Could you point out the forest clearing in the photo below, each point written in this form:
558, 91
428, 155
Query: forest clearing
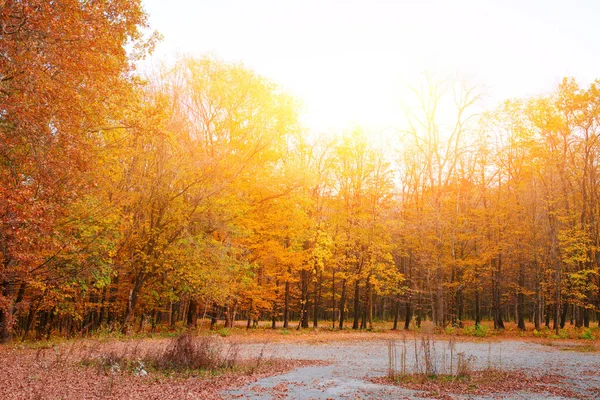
402, 201
310, 364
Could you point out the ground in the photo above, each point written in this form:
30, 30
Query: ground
573, 369
310, 365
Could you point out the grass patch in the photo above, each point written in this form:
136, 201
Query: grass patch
440, 371
481, 383
431, 361
476, 330
580, 349
224, 332
186, 354
587, 334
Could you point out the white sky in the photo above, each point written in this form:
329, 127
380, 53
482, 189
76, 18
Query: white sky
351, 61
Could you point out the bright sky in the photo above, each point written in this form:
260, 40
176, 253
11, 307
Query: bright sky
350, 62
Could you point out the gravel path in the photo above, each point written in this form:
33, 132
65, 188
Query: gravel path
352, 364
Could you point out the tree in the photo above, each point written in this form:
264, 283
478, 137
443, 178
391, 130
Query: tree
437, 129
64, 73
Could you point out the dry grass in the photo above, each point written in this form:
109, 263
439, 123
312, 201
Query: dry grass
428, 364
440, 371
487, 382
192, 352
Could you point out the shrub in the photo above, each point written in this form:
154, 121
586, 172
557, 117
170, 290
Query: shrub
193, 352
563, 334
224, 332
587, 334
114, 362
477, 330
463, 365
428, 366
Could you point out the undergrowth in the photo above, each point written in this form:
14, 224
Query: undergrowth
186, 354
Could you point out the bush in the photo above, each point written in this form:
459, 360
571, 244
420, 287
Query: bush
563, 334
463, 365
429, 364
196, 352
477, 330
224, 332
114, 362
587, 334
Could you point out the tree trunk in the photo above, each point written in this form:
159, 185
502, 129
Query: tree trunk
564, 315
521, 298
317, 300
408, 316
370, 306
304, 299
134, 292
333, 300
477, 308
496, 292
459, 307
356, 305
396, 312
192, 314
539, 308
343, 304
286, 305
7, 313
213, 318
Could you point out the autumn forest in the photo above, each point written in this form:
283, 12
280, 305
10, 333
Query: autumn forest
194, 195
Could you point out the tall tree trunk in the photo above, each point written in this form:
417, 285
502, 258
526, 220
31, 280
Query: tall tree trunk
521, 298
333, 300
396, 313
7, 313
304, 282
317, 299
30, 317
408, 316
192, 314
132, 302
477, 308
356, 304
438, 311
564, 315
365, 308
286, 305
370, 305
459, 306
343, 304
102, 315
496, 279
539, 307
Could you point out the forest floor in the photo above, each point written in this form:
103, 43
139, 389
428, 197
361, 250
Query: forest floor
311, 364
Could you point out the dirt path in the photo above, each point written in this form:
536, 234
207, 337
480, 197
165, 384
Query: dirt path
353, 364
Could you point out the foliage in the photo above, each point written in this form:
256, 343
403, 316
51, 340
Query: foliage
195, 195
476, 330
